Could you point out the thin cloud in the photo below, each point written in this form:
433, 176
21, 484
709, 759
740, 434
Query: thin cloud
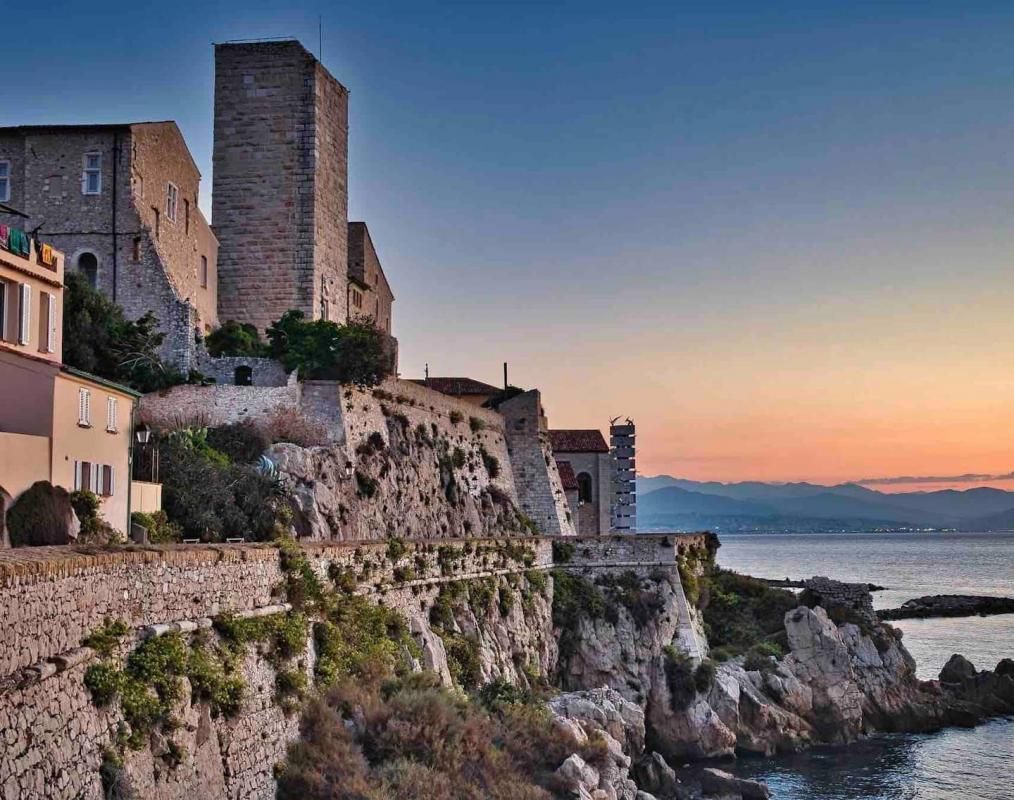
966, 478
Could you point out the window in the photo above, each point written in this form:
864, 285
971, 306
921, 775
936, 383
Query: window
158, 222
5, 181
5, 303
172, 195
83, 477
137, 249
204, 272
24, 313
84, 408
105, 487
357, 298
47, 322
584, 488
88, 265
112, 411
186, 216
91, 178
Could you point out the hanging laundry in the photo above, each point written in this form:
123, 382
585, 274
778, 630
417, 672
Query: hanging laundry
5, 233
48, 256
19, 243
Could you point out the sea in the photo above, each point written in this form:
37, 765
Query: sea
967, 764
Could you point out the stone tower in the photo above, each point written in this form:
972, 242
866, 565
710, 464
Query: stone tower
622, 438
280, 184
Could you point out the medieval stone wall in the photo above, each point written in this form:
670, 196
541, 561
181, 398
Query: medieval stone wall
540, 490
186, 405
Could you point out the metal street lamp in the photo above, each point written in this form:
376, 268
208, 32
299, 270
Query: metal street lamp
143, 434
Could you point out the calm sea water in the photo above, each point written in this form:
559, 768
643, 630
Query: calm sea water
971, 765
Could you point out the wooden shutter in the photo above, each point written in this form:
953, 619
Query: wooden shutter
111, 414
24, 313
51, 337
77, 476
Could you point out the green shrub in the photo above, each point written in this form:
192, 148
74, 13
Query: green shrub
366, 485
506, 600
354, 353
742, 611
40, 515
629, 591
458, 458
235, 339
103, 681
679, 679
704, 676
762, 657
563, 552
456, 417
500, 693
475, 424
356, 635
396, 548
242, 442
160, 529
105, 640
462, 659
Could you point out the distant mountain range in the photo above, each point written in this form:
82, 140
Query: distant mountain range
667, 503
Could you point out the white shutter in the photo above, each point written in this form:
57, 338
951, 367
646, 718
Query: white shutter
84, 407
96, 478
51, 340
111, 414
112, 481
77, 476
24, 313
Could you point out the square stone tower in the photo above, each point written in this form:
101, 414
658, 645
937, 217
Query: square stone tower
280, 184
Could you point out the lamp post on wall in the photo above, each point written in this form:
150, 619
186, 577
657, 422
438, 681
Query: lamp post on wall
143, 435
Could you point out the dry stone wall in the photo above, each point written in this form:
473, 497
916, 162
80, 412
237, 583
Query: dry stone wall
55, 737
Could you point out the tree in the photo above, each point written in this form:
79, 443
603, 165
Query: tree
100, 340
353, 353
235, 339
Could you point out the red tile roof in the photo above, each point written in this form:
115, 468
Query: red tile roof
578, 441
457, 386
567, 475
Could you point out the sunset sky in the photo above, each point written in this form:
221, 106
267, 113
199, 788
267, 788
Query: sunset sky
778, 236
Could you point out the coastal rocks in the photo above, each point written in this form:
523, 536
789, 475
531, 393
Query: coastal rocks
949, 605
718, 783
821, 660
602, 715
653, 774
957, 669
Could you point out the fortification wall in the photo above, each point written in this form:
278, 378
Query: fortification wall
217, 404
50, 598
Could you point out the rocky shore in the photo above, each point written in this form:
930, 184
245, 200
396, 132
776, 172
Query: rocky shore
949, 605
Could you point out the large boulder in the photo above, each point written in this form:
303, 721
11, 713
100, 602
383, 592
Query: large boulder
42, 515
957, 669
717, 782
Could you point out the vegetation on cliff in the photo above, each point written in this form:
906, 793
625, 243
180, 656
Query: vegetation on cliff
381, 737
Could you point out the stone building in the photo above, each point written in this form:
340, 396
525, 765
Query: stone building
280, 198
585, 455
369, 293
122, 202
473, 392
623, 445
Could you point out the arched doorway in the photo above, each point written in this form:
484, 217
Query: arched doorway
88, 265
584, 487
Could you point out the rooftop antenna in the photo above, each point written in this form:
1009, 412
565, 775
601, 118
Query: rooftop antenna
505, 384
320, 38
427, 372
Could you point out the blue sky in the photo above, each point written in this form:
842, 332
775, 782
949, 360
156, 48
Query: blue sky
728, 221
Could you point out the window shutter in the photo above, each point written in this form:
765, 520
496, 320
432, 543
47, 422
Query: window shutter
86, 476
25, 313
51, 341
107, 480
96, 478
112, 482
77, 476
111, 414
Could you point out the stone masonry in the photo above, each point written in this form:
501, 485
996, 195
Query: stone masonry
540, 490
280, 200
51, 597
122, 235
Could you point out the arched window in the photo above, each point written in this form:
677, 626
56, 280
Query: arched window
88, 265
584, 487
243, 376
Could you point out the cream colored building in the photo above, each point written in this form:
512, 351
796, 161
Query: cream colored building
56, 423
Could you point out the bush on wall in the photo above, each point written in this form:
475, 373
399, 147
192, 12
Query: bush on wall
353, 353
